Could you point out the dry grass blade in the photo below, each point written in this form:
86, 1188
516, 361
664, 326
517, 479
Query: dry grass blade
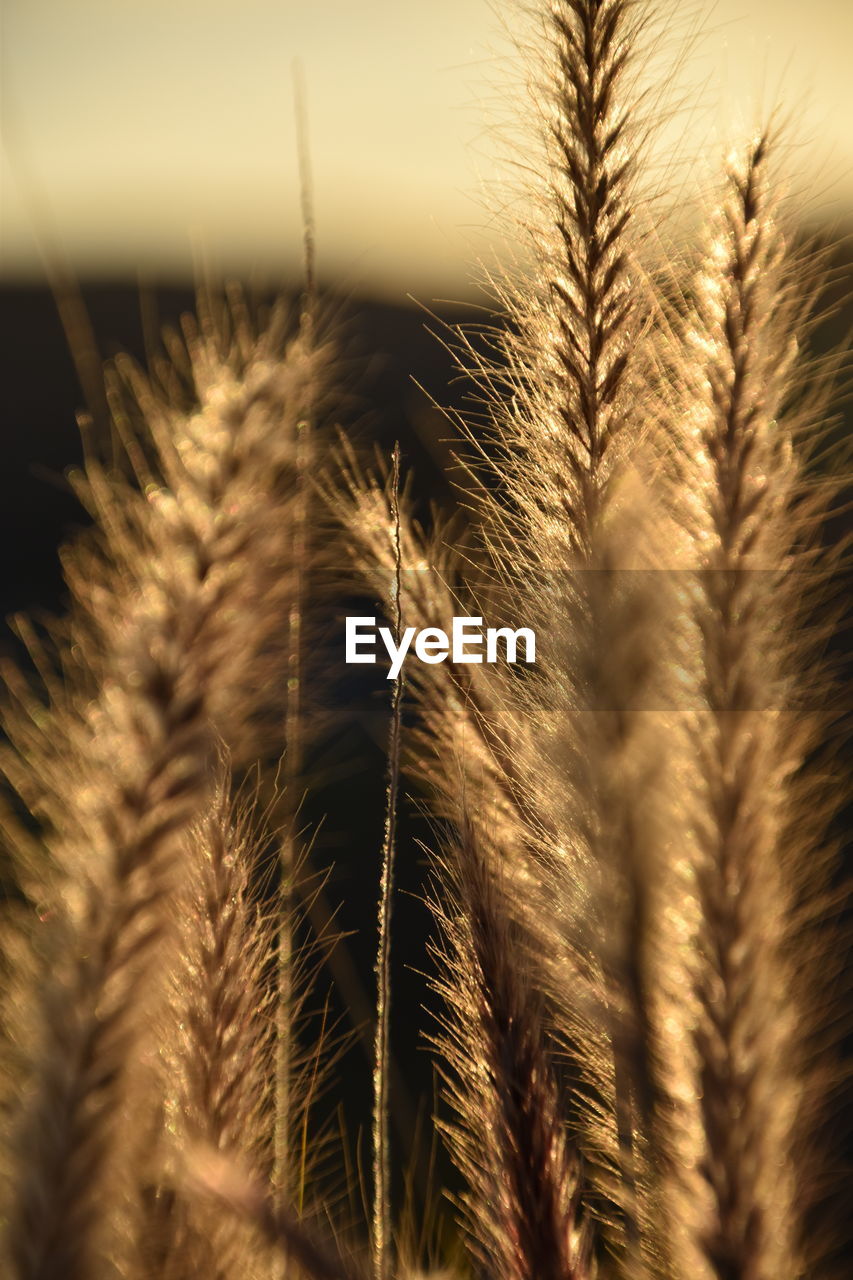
295, 699
382, 1260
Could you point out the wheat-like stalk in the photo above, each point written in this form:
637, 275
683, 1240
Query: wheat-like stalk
573, 531
755, 517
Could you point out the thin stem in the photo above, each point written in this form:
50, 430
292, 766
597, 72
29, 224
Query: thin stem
294, 745
381, 1201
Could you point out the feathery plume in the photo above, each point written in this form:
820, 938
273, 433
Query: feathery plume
572, 528
755, 519
508, 1138
217, 1047
176, 601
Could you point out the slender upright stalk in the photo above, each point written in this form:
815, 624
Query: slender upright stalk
382, 1257
465, 722
294, 727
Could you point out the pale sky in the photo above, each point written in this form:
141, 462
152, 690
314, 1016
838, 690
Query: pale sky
148, 127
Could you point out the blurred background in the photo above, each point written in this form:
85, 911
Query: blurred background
147, 131
146, 138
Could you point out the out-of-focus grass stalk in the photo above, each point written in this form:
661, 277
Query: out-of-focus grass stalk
751, 506
177, 598
523, 1183
294, 745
